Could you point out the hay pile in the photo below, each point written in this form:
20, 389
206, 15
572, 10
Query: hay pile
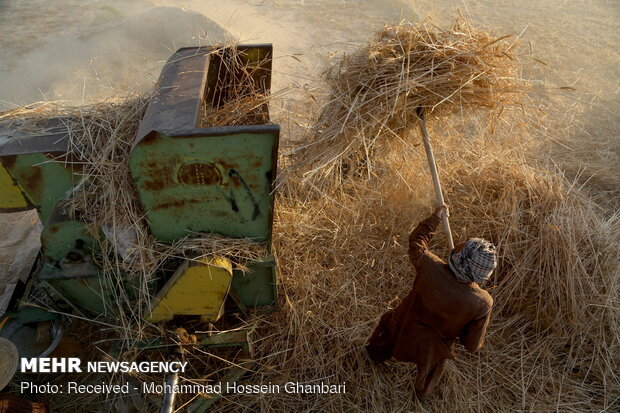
374, 92
341, 240
554, 340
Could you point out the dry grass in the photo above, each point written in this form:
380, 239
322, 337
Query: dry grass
554, 340
239, 98
341, 241
374, 92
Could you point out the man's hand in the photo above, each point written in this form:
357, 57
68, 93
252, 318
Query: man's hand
442, 210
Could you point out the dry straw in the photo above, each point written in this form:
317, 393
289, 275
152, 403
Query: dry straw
374, 92
555, 336
555, 333
240, 96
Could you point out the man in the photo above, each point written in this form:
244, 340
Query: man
444, 304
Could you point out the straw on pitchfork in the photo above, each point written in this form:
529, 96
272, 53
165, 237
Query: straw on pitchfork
404, 74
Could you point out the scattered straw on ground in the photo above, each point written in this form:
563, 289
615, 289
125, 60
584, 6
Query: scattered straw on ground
554, 340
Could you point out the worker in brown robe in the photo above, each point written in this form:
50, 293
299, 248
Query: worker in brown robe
445, 304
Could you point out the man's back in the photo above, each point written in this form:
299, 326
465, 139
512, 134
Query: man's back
443, 305
449, 307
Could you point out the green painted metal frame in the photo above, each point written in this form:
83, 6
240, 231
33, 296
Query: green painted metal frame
37, 163
257, 288
42, 180
217, 180
192, 179
67, 247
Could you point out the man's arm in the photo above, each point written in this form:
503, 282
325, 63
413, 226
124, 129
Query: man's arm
422, 234
473, 335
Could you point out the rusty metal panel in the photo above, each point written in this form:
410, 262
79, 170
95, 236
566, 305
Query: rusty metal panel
41, 179
216, 180
257, 288
63, 237
88, 294
36, 165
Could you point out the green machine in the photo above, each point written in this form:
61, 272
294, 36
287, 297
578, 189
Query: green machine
191, 178
206, 179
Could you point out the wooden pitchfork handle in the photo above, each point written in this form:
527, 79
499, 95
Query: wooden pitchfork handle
433, 166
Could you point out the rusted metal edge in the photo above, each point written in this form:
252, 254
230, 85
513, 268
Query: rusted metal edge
28, 144
180, 91
239, 46
222, 130
51, 137
178, 95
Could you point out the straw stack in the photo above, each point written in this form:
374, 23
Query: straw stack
374, 92
555, 332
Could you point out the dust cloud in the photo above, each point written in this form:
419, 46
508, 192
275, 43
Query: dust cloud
86, 51
82, 52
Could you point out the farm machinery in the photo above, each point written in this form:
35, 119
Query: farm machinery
190, 178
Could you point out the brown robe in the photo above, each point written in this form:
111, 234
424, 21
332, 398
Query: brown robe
424, 327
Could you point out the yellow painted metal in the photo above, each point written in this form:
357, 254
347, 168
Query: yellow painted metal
196, 288
11, 196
